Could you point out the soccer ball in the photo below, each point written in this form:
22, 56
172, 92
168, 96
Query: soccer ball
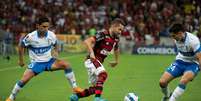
131, 97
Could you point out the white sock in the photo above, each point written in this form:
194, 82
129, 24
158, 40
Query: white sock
14, 92
177, 93
71, 78
165, 91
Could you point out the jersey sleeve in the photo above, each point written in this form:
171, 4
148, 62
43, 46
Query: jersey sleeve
99, 36
196, 45
25, 41
54, 40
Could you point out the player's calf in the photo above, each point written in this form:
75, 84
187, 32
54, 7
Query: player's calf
163, 83
165, 90
166, 98
86, 92
70, 76
18, 86
178, 92
71, 79
99, 84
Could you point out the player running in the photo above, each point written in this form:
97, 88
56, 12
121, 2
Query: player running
40, 43
103, 43
186, 65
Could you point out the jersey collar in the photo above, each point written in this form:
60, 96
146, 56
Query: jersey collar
46, 33
184, 39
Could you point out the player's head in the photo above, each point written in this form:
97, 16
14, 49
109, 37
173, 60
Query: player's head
177, 31
43, 24
117, 26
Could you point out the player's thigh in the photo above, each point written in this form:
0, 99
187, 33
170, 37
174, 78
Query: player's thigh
59, 65
28, 74
187, 77
94, 67
166, 78
191, 70
90, 67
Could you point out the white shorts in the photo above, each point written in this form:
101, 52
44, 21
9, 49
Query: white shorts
93, 69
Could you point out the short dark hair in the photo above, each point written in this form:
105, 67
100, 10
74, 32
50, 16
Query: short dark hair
175, 28
41, 20
118, 21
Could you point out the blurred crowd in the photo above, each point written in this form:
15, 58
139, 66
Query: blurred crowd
146, 19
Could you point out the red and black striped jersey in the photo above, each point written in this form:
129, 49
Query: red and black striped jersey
104, 43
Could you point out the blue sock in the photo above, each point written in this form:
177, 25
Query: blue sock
183, 86
68, 70
20, 83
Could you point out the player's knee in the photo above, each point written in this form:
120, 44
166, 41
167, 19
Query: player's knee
184, 81
103, 76
65, 65
163, 83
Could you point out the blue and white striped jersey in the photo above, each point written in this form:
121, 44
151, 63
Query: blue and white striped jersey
39, 47
188, 48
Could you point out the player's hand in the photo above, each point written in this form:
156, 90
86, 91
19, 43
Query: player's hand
21, 63
92, 56
55, 54
113, 63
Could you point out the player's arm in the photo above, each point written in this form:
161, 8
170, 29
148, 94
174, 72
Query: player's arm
198, 56
197, 49
89, 43
116, 57
21, 47
55, 51
21, 55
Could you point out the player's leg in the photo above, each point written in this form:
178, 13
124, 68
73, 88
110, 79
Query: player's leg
190, 71
186, 78
101, 76
95, 68
28, 74
69, 74
92, 80
4, 50
164, 80
87, 92
171, 72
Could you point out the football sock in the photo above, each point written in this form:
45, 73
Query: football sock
71, 77
97, 89
165, 91
99, 84
18, 86
178, 92
86, 92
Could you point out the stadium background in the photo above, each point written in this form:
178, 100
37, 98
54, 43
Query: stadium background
74, 20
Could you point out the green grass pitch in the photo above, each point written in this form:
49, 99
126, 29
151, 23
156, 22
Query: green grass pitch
135, 73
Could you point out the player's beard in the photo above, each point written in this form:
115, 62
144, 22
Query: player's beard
116, 35
179, 39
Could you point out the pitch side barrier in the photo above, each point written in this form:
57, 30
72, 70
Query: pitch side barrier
71, 43
163, 50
